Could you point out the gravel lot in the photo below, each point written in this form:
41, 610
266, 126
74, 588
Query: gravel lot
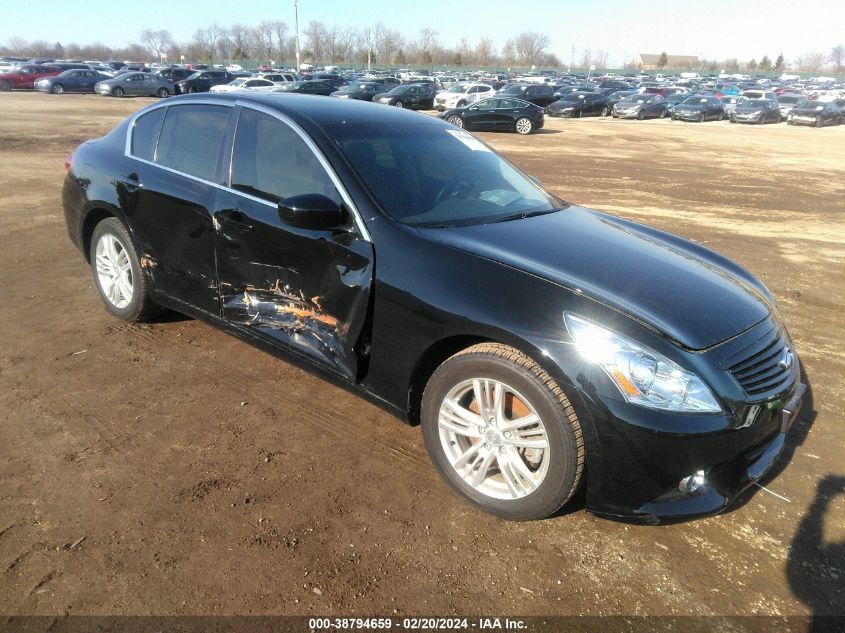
169, 468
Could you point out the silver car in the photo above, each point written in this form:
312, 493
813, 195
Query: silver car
135, 84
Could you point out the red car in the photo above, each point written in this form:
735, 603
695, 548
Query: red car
26, 76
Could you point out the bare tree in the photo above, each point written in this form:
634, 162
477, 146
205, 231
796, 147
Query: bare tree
315, 39
837, 57
484, 51
529, 46
600, 58
586, 58
158, 41
17, 45
371, 38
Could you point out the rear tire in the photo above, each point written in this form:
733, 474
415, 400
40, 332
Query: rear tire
117, 273
5, 86
503, 478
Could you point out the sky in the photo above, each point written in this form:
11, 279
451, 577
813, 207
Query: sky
716, 29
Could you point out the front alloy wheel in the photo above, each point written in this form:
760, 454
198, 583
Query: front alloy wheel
524, 126
502, 433
58, 89
456, 120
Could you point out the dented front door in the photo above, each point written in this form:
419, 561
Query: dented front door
308, 289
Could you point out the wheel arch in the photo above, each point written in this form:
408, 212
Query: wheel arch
92, 218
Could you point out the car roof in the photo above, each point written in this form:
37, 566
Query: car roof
317, 109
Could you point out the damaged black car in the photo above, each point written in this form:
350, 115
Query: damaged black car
542, 347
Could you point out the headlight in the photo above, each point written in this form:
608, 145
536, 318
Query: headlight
642, 376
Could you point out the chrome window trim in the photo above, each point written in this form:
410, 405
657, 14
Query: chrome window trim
344, 194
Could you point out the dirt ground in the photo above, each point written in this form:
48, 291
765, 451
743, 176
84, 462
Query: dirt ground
172, 469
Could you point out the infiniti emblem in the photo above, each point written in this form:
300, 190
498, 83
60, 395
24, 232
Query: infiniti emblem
785, 361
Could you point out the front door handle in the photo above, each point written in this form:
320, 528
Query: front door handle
237, 219
131, 183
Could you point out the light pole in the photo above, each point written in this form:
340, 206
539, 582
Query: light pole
296, 27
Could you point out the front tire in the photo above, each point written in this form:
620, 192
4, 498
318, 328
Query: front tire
163, 93
116, 268
117, 92
524, 126
399, 104
5, 86
456, 120
192, 90
502, 433
58, 89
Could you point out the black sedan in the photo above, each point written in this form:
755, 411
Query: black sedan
307, 87
641, 106
414, 96
74, 80
498, 114
534, 341
539, 94
580, 104
361, 90
815, 113
756, 111
699, 108
202, 81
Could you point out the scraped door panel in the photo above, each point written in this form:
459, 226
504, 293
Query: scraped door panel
308, 289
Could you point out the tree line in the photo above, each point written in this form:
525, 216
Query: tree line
274, 40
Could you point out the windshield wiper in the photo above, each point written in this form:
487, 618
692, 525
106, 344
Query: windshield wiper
522, 215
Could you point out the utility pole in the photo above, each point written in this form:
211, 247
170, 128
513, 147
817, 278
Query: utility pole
572, 58
296, 26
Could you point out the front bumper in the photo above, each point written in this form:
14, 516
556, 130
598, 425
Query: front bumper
803, 120
644, 480
686, 115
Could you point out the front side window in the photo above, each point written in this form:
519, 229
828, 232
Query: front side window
191, 139
271, 161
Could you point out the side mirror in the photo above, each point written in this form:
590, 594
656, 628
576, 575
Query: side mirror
312, 211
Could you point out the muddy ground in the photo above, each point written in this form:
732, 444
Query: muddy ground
171, 469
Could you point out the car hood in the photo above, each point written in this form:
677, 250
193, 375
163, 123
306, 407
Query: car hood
806, 111
686, 292
746, 109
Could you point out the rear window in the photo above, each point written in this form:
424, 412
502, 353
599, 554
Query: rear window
145, 133
191, 139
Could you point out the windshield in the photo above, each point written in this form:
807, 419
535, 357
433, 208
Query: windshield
637, 99
194, 75
457, 88
695, 101
790, 99
755, 102
571, 97
425, 174
398, 90
514, 90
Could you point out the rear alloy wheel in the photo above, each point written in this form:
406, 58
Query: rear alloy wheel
58, 89
5, 86
117, 273
456, 120
163, 92
502, 433
523, 125
117, 92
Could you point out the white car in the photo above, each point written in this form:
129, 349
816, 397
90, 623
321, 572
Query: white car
759, 94
461, 95
246, 83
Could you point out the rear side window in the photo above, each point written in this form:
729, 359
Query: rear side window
270, 161
145, 133
191, 139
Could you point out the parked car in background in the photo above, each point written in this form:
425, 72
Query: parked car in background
24, 77
278, 77
755, 93
462, 94
756, 111
579, 104
306, 87
615, 97
787, 101
135, 85
173, 74
641, 106
203, 80
730, 102
814, 113
244, 83
498, 113
361, 90
699, 108
538, 94
415, 96
74, 80
673, 100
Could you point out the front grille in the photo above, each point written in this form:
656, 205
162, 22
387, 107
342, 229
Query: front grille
766, 366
